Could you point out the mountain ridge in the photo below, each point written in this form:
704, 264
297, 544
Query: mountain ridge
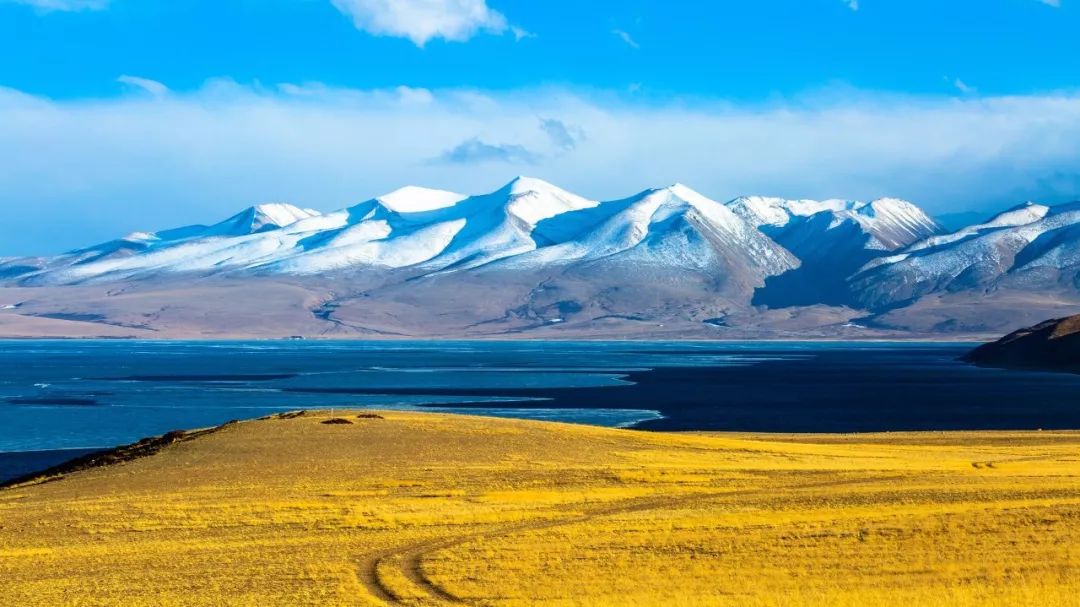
533, 258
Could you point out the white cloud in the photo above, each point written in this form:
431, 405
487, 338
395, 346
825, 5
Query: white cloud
424, 20
964, 87
62, 5
418, 96
153, 87
475, 151
83, 171
521, 33
852, 4
565, 136
625, 37
1053, 3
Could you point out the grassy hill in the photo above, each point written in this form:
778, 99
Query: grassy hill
420, 509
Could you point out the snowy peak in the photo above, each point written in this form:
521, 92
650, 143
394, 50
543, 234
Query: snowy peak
1030, 242
690, 196
679, 199
489, 227
429, 230
1018, 215
831, 239
674, 228
761, 210
772, 211
523, 184
894, 209
530, 250
260, 218
818, 247
532, 200
686, 192
281, 214
896, 223
414, 199
888, 223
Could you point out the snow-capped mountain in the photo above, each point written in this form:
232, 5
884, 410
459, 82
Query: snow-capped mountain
660, 248
1017, 216
252, 233
531, 254
260, 218
1031, 242
886, 223
164, 249
673, 226
832, 239
528, 222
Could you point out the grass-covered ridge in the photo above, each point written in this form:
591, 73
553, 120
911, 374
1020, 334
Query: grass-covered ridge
426, 509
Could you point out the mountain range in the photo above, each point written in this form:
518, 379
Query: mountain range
532, 259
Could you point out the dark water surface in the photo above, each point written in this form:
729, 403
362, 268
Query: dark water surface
57, 396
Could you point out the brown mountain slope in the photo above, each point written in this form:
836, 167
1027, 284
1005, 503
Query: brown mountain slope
1052, 345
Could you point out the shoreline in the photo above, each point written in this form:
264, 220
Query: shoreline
963, 339
698, 387
89, 458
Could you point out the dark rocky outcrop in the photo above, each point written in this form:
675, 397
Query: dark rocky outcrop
125, 453
1053, 345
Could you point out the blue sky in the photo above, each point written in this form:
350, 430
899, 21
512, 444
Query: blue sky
117, 115
736, 50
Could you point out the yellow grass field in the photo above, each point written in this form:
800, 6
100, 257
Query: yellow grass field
426, 509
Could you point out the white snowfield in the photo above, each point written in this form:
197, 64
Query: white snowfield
529, 224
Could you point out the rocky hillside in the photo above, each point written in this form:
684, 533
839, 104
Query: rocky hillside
1051, 345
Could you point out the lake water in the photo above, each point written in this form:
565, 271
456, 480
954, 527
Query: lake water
60, 397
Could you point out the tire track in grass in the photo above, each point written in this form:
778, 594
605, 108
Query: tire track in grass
407, 561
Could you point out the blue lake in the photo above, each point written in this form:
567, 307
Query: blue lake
57, 397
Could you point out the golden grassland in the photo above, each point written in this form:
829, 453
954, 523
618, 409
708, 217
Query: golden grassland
422, 509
